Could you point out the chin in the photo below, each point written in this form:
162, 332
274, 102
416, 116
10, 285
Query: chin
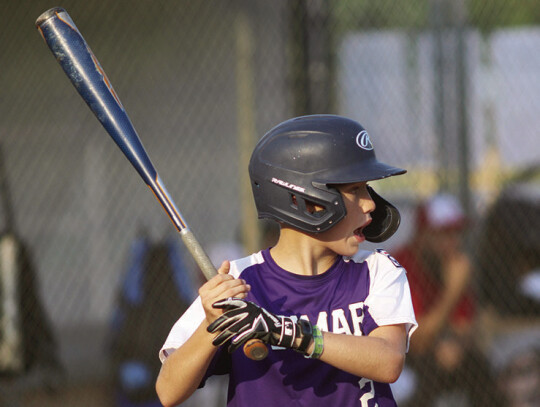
350, 250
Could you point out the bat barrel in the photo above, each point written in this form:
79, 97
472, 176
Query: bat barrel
86, 74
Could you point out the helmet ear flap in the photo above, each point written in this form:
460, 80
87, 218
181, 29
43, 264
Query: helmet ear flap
385, 219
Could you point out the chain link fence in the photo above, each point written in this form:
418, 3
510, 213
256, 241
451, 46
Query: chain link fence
447, 89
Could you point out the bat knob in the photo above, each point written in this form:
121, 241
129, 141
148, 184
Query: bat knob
48, 14
255, 349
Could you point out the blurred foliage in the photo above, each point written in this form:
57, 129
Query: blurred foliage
415, 14
492, 14
365, 14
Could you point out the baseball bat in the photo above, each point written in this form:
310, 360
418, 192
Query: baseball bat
85, 72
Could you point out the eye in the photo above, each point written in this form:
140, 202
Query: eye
361, 191
358, 188
355, 189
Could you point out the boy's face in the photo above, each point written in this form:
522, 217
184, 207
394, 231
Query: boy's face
346, 236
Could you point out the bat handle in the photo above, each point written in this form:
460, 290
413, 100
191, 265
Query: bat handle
198, 253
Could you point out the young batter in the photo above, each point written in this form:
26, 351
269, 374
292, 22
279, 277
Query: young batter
337, 320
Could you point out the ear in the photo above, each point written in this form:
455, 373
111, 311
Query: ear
385, 219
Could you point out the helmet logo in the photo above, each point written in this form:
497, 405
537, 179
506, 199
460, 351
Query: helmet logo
363, 140
288, 185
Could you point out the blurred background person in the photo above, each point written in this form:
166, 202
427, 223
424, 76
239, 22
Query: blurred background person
446, 364
509, 252
508, 258
156, 287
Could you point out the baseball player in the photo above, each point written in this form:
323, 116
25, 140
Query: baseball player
337, 320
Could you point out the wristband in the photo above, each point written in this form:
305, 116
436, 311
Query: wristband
318, 345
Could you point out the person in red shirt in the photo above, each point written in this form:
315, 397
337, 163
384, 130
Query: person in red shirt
443, 355
439, 271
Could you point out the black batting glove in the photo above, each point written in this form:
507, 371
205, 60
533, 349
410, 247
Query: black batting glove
244, 320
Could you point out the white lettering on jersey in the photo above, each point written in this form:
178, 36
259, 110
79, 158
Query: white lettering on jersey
322, 321
357, 315
339, 322
367, 387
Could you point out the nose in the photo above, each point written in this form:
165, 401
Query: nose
367, 204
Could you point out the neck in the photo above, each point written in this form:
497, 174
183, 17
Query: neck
301, 253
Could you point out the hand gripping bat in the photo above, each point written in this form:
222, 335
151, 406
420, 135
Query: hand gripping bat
85, 72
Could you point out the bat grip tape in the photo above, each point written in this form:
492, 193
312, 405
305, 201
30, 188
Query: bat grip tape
198, 253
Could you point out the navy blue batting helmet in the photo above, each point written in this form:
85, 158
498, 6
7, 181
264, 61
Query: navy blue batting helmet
300, 159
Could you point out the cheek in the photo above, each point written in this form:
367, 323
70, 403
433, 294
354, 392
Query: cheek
359, 205
335, 234
351, 204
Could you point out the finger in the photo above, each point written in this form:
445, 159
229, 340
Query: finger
225, 267
228, 333
229, 289
223, 287
222, 323
246, 333
209, 296
242, 295
222, 338
211, 291
237, 342
223, 282
238, 291
214, 326
230, 303
227, 320
215, 282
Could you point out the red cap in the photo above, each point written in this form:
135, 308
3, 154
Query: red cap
443, 212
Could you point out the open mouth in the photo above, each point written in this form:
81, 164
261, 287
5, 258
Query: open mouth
359, 232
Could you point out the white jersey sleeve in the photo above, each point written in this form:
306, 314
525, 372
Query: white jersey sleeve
183, 329
389, 298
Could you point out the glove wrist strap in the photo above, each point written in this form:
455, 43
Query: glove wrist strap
288, 333
306, 333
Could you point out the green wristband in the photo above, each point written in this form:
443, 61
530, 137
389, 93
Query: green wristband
318, 345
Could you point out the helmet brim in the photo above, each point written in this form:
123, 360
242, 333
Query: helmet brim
369, 170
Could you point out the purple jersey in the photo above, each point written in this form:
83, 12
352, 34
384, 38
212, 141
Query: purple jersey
353, 297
